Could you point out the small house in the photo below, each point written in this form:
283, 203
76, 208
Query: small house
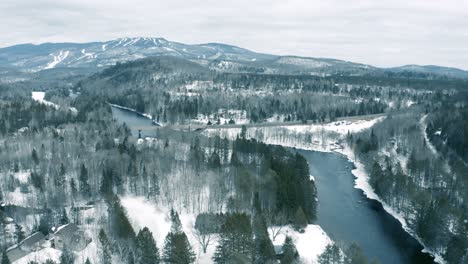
30, 244
14, 253
33, 243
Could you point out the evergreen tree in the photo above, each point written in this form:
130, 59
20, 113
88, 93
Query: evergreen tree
19, 233
235, 239
331, 255
119, 219
290, 254
264, 249
177, 248
354, 255
85, 189
87, 261
67, 257
105, 248
147, 251
34, 157
300, 219
5, 259
64, 217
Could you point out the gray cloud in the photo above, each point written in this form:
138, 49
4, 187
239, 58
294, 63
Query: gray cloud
382, 33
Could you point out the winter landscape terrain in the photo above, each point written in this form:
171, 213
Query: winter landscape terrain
144, 150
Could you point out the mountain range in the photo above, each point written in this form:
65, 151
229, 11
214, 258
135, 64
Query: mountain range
31, 58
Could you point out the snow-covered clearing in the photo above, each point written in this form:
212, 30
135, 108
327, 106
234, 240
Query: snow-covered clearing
143, 213
310, 244
423, 123
319, 137
39, 97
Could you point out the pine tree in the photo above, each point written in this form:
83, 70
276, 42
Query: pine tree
177, 248
290, 254
34, 157
105, 248
87, 261
19, 233
147, 251
300, 219
331, 255
67, 257
264, 249
235, 239
85, 189
64, 217
354, 255
5, 259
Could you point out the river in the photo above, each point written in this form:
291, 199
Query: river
347, 215
133, 120
344, 213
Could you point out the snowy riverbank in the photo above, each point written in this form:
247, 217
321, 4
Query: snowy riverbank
132, 110
326, 138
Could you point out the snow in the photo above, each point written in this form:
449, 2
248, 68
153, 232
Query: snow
305, 62
310, 244
308, 137
362, 183
22, 176
39, 97
143, 213
90, 252
423, 124
57, 59
224, 116
319, 137
41, 256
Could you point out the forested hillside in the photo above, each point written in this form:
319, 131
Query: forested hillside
206, 185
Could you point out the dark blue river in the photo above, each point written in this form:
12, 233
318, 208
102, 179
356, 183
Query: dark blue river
344, 213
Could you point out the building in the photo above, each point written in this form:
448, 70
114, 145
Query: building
71, 237
32, 243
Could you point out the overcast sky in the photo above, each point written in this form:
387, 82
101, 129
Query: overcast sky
378, 32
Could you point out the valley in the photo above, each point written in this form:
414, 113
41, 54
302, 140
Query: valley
152, 151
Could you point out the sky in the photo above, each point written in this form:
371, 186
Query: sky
382, 33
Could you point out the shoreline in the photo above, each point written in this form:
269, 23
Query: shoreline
361, 182
150, 117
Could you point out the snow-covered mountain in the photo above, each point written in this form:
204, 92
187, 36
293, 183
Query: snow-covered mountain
30, 57
220, 57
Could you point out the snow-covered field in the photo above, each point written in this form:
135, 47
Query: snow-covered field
319, 137
143, 213
39, 97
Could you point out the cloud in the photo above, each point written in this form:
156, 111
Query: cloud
382, 33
